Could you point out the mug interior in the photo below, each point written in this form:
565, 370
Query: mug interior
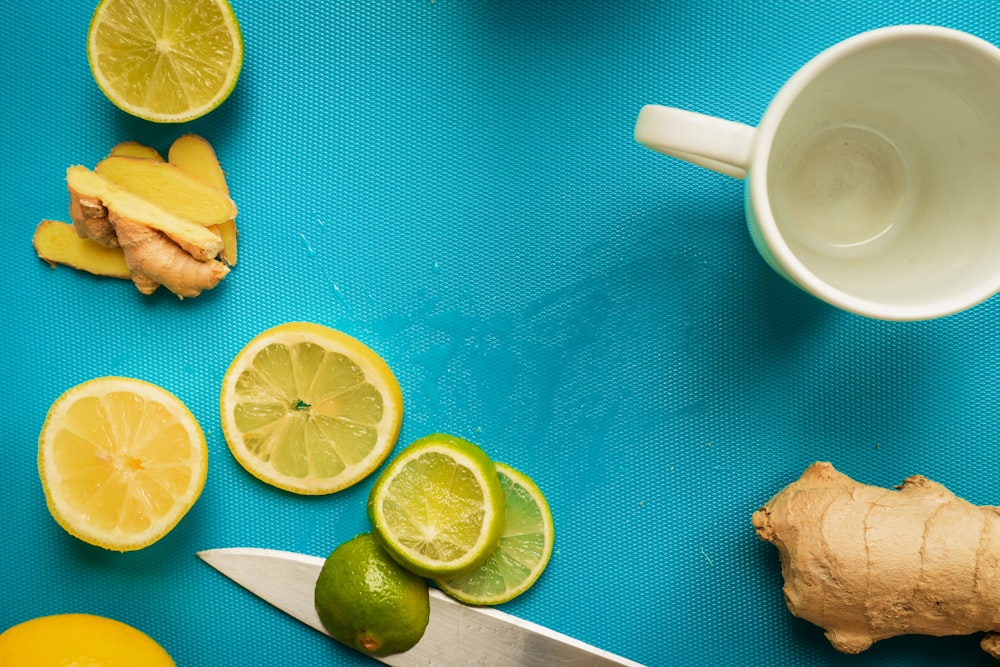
882, 182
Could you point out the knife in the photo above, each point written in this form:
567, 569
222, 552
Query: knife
457, 634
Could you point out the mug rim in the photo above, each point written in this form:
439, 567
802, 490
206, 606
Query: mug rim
758, 181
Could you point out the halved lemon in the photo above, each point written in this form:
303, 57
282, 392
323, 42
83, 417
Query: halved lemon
79, 640
438, 507
310, 409
167, 61
121, 462
524, 549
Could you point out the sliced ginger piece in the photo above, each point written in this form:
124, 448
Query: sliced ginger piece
194, 155
88, 186
58, 243
135, 149
153, 259
228, 233
170, 188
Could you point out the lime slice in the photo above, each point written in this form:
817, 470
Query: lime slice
438, 507
121, 462
524, 548
310, 409
167, 61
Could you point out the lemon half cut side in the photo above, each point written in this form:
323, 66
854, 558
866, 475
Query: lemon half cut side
79, 640
121, 461
166, 61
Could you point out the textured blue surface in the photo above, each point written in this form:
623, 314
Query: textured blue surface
455, 183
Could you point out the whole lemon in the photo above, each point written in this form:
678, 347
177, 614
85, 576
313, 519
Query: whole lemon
79, 639
368, 601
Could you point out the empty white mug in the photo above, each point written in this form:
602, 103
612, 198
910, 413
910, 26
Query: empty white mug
873, 178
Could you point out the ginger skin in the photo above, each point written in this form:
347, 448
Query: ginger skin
867, 563
90, 219
155, 260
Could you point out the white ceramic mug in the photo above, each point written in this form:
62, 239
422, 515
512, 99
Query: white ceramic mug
873, 178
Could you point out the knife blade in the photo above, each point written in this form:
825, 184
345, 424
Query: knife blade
457, 634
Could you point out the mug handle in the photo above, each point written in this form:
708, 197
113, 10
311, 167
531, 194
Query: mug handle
721, 145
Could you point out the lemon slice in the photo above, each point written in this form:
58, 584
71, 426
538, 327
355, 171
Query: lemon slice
523, 552
438, 507
310, 409
167, 61
121, 462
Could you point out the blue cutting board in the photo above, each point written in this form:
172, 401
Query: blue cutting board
455, 183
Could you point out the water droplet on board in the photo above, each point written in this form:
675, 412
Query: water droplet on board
336, 291
310, 251
339, 296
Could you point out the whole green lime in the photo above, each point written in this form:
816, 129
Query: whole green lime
368, 601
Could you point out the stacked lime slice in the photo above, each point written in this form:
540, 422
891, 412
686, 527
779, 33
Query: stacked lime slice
438, 507
444, 510
524, 549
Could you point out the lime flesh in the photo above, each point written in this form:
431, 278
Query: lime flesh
166, 61
523, 552
438, 507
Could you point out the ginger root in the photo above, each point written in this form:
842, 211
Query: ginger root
867, 563
155, 260
137, 216
90, 219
